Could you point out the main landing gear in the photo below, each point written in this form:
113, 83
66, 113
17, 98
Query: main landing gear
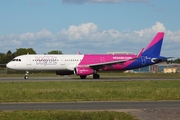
95, 76
26, 75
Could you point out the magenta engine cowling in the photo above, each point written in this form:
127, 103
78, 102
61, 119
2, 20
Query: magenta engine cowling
84, 71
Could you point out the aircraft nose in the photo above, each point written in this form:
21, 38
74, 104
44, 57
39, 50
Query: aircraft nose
10, 65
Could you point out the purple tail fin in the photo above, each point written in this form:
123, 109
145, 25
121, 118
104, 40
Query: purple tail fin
154, 48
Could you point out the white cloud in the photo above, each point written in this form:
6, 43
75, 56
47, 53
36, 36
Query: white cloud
16, 42
43, 34
100, 1
27, 36
79, 32
158, 27
88, 38
173, 37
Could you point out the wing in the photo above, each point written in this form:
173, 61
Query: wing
102, 65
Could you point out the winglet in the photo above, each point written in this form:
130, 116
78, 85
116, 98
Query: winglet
140, 53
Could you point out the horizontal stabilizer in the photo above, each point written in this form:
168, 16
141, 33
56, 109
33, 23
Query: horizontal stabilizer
157, 60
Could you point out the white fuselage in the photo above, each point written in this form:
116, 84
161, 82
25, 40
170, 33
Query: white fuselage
45, 62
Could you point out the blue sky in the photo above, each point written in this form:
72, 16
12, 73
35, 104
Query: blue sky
88, 26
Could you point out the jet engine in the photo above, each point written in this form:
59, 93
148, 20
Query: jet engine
84, 71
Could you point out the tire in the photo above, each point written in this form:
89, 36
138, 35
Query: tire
83, 76
96, 76
26, 77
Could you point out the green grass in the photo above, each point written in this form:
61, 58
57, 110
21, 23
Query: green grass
57, 91
102, 74
64, 115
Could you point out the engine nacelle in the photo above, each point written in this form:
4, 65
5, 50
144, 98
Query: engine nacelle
83, 71
66, 72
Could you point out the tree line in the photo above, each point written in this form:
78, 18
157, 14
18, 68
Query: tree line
6, 57
174, 61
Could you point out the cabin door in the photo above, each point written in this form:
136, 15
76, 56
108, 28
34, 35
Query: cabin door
62, 61
28, 60
143, 58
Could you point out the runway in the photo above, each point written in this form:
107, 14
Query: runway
90, 105
69, 78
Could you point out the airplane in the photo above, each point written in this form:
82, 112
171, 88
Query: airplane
90, 64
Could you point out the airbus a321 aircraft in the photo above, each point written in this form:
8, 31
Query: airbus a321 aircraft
90, 64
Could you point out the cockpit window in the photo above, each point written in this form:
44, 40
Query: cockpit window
16, 60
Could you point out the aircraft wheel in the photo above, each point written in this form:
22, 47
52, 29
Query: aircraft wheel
26, 77
96, 76
83, 76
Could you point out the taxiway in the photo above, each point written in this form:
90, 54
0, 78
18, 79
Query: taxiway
89, 105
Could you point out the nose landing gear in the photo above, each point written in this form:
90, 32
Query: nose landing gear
26, 75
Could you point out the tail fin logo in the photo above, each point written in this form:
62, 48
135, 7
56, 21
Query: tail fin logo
154, 48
